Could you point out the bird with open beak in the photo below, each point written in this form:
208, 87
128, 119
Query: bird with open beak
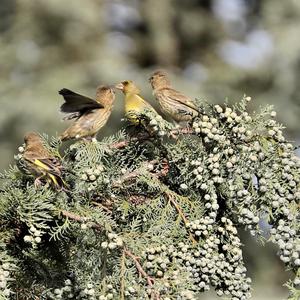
135, 105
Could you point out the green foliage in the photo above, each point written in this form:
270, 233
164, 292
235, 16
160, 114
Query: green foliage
155, 215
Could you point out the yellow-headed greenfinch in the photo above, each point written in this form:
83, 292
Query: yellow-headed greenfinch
135, 105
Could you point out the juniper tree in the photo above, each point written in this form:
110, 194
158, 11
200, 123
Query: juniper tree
154, 214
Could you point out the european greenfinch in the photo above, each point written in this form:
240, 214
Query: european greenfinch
135, 105
41, 163
172, 102
90, 115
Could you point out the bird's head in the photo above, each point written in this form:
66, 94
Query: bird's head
127, 86
31, 137
159, 79
105, 94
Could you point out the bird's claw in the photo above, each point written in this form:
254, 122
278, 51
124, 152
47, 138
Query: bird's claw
37, 183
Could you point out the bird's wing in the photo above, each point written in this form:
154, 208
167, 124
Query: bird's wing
53, 169
176, 96
77, 104
50, 165
145, 104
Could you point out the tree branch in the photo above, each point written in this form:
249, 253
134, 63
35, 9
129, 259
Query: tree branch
168, 193
149, 165
80, 219
180, 212
173, 134
102, 206
123, 144
122, 279
177, 207
142, 272
119, 145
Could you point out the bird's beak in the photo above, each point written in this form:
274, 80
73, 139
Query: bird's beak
119, 86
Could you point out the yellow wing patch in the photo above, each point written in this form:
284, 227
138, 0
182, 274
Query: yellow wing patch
48, 174
41, 165
53, 179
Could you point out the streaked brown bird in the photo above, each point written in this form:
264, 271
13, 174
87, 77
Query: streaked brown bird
91, 115
172, 102
41, 163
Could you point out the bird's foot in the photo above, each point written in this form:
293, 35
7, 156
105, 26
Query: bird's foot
174, 135
87, 139
37, 183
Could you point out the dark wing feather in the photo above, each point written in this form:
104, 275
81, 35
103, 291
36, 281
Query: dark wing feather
77, 103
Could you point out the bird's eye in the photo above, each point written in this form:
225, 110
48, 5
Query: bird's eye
125, 82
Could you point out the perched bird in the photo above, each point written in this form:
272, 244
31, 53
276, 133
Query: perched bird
135, 105
40, 162
173, 103
91, 115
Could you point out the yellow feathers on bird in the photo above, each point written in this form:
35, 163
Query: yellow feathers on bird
135, 105
41, 163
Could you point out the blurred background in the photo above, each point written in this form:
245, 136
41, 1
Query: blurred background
213, 50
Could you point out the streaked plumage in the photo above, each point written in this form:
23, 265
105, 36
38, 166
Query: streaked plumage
172, 102
40, 162
91, 115
135, 105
